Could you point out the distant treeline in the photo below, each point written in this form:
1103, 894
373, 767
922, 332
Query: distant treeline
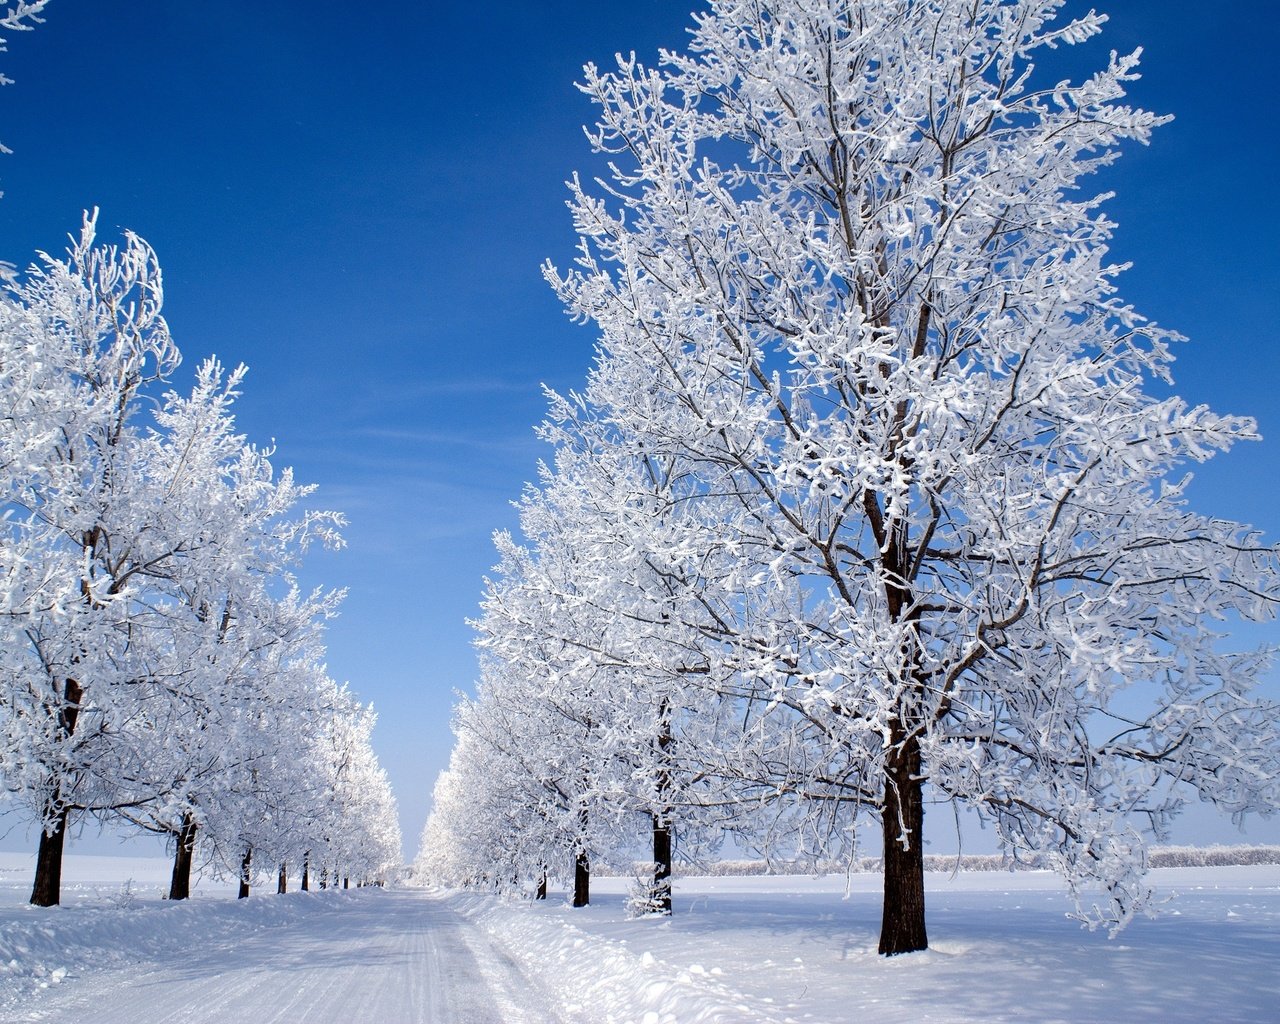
1157, 857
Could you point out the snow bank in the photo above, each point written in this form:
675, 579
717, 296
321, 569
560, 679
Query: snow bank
605, 980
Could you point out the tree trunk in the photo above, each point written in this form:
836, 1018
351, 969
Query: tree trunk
662, 827
245, 867
306, 873
541, 892
902, 924
581, 880
282, 883
902, 818
582, 863
346, 881
662, 864
180, 883
47, 890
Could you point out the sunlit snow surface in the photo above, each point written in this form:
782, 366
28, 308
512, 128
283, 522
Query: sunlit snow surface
738, 950
1002, 950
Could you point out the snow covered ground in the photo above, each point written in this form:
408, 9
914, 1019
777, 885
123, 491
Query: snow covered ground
739, 950
793, 949
336, 957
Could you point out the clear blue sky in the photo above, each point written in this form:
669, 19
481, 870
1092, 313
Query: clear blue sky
355, 200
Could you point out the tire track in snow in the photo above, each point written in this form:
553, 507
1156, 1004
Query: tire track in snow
402, 957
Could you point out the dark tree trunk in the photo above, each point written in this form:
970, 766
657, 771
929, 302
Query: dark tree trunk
306, 873
662, 827
902, 817
346, 881
541, 892
582, 863
581, 880
47, 890
662, 864
246, 865
180, 883
902, 924
282, 883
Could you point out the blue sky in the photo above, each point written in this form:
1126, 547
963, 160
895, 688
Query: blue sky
355, 200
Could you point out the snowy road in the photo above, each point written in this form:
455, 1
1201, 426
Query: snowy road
762, 949
398, 957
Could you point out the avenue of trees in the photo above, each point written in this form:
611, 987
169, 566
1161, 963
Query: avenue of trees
160, 667
873, 498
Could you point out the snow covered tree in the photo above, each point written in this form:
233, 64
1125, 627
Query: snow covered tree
593, 680
158, 664
235, 641
355, 832
845, 268
543, 704
240, 745
146, 559
457, 847
92, 328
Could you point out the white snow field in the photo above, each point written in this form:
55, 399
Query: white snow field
738, 951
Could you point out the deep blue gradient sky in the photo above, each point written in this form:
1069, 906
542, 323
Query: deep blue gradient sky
355, 200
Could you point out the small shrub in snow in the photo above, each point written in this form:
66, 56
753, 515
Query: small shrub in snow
648, 898
126, 897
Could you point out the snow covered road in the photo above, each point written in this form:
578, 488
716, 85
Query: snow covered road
400, 957
740, 950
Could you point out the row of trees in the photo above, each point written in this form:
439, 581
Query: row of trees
160, 666
873, 496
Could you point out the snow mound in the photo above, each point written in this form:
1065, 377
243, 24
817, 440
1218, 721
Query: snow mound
602, 979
